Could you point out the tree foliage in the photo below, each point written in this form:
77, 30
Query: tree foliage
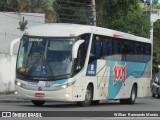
123, 15
36, 6
39, 6
156, 44
3, 3
156, 59
156, 41
74, 11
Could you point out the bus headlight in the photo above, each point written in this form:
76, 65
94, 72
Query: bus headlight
64, 86
67, 85
18, 83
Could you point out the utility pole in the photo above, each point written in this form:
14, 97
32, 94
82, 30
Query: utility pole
94, 12
154, 16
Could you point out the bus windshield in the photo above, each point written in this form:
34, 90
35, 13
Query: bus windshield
45, 57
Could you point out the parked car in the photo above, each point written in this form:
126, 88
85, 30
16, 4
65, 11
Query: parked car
155, 89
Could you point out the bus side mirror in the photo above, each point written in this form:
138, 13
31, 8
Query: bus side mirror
12, 45
75, 48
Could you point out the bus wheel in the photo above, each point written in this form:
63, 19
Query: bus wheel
153, 95
88, 97
132, 98
38, 103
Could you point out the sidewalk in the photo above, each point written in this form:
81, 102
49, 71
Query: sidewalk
10, 97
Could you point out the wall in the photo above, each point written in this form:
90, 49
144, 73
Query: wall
9, 30
7, 72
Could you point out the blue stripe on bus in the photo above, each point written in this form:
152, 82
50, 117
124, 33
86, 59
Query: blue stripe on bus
55, 81
60, 81
132, 69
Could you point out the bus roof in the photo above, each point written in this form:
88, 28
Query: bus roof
67, 30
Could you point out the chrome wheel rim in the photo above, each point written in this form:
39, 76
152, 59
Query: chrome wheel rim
88, 96
133, 95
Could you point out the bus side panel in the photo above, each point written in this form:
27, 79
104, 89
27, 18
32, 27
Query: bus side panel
122, 77
78, 93
144, 87
98, 73
102, 75
125, 90
145, 83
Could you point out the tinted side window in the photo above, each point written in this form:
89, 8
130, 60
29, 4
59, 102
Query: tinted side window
117, 49
156, 79
82, 52
96, 48
107, 48
147, 49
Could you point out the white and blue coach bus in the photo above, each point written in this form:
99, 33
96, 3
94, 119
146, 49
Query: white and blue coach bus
83, 64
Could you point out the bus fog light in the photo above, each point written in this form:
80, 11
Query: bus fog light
67, 95
15, 92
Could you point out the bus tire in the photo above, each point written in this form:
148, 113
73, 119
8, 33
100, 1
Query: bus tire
88, 97
153, 95
133, 95
38, 103
132, 98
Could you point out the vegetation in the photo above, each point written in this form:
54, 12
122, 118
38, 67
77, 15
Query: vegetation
74, 11
124, 15
156, 46
31, 6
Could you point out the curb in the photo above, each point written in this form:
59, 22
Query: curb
10, 97
14, 101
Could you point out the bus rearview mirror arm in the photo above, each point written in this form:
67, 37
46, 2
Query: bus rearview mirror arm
75, 48
12, 45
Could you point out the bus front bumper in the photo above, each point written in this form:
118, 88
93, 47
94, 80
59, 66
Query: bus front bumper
59, 95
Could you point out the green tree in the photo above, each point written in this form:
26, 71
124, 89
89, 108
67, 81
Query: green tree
156, 44
156, 41
123, 15
156, 59
148, 2
36, 6
155, 2
8, 5
45, 6
39, 6
3, 4
74, 11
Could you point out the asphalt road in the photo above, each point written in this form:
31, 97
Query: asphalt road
142, 104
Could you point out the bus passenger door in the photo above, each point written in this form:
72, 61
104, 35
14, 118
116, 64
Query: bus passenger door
102, 70
102, 78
